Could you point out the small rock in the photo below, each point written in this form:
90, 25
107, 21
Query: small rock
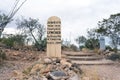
85, 78
16, 73
46, 69
47, 61
44, 78
54, 63
57, 60
64, 62
36, 67
15, 53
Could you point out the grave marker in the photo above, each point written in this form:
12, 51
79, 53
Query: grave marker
54, 37
118, 40
102, 43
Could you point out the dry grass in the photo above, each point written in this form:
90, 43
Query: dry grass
85, 50
27, 71
90, 75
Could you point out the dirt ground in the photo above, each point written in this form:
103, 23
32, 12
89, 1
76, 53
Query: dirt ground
102, 72
6, 70
19, 60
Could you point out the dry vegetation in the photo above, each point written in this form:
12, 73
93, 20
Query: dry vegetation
17, 60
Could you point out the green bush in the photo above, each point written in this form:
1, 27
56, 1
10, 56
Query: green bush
73, 47
13, 40
81, 47
109, 48
41, 46
92, 43
114, 57
2, 55
9, 42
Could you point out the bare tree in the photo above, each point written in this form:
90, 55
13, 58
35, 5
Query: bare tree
111, 28
5, 19
32, 27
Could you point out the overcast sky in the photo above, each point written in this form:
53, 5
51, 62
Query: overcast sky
76, 15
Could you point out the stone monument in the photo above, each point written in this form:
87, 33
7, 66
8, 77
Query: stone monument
102, 43
54, 37
118, 40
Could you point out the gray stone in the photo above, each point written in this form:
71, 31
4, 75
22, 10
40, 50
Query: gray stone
58, 75
44, 78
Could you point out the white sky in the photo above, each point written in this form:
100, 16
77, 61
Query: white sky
76, 15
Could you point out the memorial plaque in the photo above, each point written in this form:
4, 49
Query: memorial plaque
54, 37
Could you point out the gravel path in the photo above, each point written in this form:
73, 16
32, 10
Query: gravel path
104, 72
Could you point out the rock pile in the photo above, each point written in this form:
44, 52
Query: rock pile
51, 69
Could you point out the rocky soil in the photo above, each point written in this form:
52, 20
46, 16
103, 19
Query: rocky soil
17, 60
8, 68
33, 65
101, 72
50, 69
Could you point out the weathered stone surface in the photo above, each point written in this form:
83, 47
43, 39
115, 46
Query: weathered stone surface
46, 69
56, 75
37, 67
54, 37
47, 61
64, 62
59, 69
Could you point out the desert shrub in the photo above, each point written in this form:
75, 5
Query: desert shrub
64, 47
41, 46
92, 43
114, 56
73, 47
85, 50
13, 41
109, 48
81, 47
9, 42
2, 56
27, 71
96, 50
